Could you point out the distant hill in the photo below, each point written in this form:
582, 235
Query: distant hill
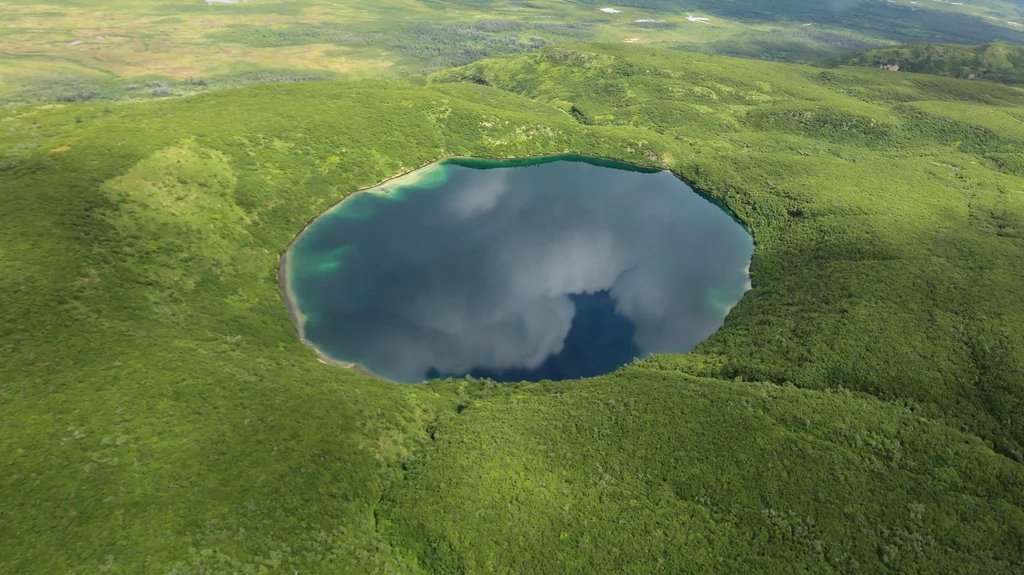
992, 62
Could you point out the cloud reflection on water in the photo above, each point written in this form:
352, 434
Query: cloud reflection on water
478, 273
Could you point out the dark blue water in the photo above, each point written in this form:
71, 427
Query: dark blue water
556, 268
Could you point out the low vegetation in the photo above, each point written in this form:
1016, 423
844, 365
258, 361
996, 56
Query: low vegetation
858, 412
103, 50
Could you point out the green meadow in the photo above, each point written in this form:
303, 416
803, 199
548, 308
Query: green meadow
859, 411
92, 50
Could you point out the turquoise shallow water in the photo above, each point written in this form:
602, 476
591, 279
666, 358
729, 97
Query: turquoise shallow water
547, 268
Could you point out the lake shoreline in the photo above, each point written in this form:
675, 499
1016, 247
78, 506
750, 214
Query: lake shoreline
299, 321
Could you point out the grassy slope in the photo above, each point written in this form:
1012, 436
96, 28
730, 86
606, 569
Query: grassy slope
158, 414
660, 472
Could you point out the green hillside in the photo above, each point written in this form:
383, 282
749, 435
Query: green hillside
859, 412
1000, 63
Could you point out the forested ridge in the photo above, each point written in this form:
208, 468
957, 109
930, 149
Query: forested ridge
858, 412
1000, 63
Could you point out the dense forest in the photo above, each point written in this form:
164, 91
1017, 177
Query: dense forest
859, 411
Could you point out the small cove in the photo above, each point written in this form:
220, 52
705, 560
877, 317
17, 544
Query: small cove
544, 268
